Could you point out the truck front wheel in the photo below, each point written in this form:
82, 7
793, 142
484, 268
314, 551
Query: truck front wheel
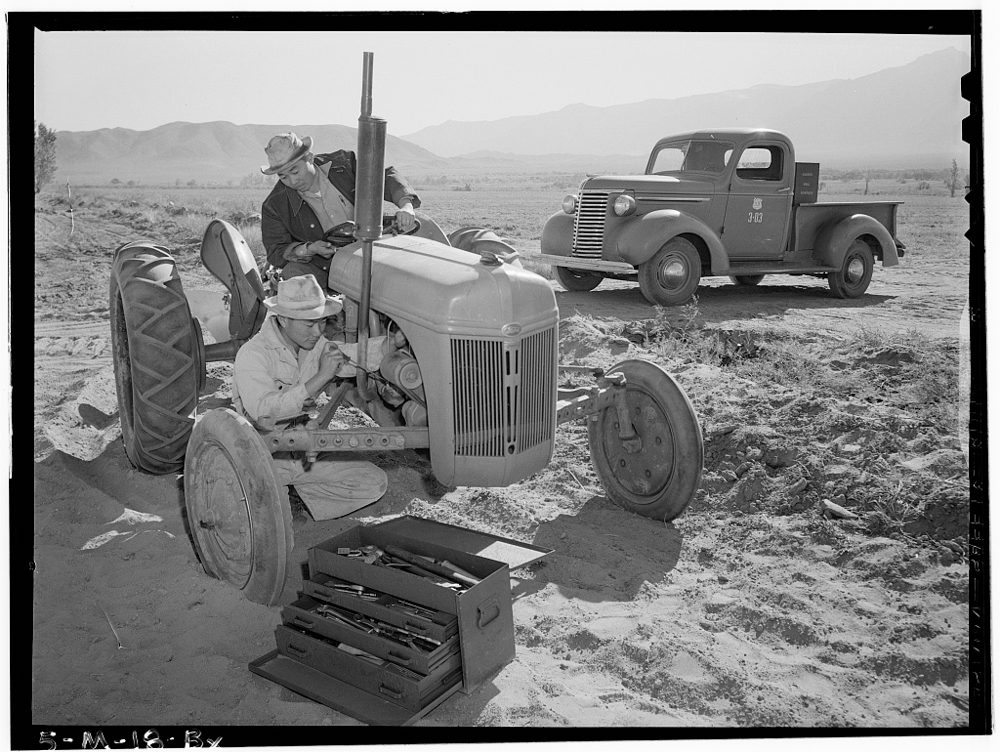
853, 278
577, 281
672, 275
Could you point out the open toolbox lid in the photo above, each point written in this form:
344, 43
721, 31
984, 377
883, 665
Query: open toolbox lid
514, 553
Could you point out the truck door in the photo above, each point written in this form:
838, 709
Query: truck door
760, 202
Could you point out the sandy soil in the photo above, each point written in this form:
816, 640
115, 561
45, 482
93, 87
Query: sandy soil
751, 609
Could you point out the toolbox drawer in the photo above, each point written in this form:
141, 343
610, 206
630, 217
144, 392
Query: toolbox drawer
339, 695
437, 625
387, 681
302, 614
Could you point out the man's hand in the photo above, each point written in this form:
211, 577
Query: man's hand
330, 361
405, 218
320, 248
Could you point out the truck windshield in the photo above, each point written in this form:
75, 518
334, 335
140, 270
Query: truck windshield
691, 156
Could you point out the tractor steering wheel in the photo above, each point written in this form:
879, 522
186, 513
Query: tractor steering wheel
391, 227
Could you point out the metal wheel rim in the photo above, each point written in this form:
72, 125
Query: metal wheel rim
646, 473
855, 271
673, 272
226, 541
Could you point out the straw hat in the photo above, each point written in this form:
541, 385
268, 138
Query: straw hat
303, 298
284, 149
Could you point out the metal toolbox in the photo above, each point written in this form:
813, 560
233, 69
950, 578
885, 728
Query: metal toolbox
320, 646
485, 612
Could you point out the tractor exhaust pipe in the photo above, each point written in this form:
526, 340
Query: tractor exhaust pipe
370, 188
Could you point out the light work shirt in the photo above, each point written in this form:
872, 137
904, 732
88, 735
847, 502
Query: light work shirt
329, 205
269, 379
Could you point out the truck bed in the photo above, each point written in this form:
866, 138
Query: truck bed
808, 219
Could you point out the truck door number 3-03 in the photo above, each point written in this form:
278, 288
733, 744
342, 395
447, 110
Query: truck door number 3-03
755, 217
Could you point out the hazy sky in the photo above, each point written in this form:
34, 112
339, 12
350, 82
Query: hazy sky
140, 80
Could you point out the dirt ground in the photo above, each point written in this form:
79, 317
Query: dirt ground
752, 609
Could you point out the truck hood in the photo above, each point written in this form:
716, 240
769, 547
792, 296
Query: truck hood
648, 184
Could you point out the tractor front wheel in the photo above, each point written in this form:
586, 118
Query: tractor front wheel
238, 513
157, 353
659, 478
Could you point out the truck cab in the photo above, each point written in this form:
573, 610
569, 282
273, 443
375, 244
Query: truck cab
715, 202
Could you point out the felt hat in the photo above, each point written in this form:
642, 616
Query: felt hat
284, 149
303, 298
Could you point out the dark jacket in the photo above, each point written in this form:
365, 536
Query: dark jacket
286, 219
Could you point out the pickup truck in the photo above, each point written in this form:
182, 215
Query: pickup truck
730, 202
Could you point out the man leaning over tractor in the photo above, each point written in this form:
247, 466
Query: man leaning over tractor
277, 376
314, 195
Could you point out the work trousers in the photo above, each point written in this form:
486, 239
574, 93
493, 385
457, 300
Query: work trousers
331, 488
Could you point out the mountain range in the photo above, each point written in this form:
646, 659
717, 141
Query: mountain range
908, 116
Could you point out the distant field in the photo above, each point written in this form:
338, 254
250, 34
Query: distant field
929, 220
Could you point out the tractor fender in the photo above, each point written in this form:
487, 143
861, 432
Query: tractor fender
639, 241
557, 234
226, 254
836, 237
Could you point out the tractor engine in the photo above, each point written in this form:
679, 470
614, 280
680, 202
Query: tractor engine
484, 335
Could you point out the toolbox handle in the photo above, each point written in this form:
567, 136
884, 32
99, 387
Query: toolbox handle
488, 611
415, 627
402, 660
295, 650
322, 593
390, 691
303, 622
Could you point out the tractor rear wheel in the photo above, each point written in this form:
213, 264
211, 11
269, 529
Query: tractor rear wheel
577, 281
157, 353
661, 478
239, 515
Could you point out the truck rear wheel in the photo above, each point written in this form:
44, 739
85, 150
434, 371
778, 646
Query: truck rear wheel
747, 280
156, 351
854, 276
577, 281
660, 480
672, 275
239, 516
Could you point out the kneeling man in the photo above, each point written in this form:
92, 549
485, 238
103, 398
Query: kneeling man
278, 375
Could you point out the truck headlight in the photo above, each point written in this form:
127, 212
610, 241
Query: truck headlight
569, 204
624, 205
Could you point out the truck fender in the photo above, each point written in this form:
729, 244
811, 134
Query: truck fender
557, 234
835, 238
641, 240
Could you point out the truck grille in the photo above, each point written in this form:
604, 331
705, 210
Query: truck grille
588, 229
503, 394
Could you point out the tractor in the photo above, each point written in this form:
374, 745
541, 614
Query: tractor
473, 385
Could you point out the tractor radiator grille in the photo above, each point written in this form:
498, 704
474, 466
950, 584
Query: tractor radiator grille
503, 394
588, 229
